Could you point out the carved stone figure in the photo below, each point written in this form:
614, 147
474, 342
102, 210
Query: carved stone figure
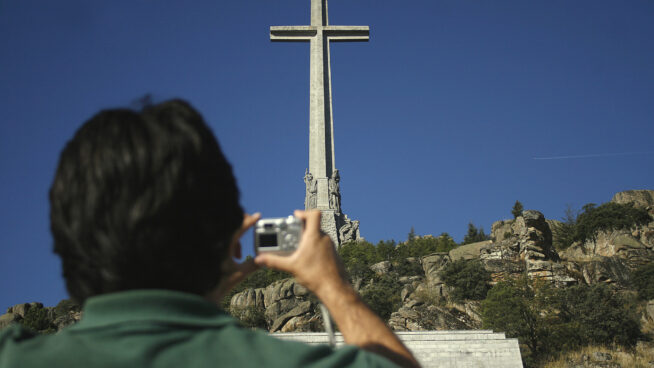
349, 231
335, 192
310, 199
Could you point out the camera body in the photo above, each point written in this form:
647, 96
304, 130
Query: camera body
277, 235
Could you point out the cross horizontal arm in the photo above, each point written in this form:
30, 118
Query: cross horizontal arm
305, 33
347, 33
292, 33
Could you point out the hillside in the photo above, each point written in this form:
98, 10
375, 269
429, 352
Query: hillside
556, 285
407, 283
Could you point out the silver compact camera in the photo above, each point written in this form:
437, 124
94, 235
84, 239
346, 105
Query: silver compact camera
277, 235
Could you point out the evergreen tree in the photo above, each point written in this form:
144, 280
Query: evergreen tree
474, 234
412, 234
517, 209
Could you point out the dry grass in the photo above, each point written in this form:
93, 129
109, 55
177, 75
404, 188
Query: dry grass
642, 356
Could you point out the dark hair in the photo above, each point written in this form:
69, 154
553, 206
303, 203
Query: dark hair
143, 200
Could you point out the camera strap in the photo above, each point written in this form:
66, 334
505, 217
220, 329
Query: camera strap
329, 326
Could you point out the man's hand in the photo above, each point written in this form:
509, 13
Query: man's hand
234, 272
316, 265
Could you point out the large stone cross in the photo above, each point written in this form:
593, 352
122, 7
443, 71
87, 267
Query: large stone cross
322, 166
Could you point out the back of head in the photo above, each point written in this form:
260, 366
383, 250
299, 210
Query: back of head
143, 200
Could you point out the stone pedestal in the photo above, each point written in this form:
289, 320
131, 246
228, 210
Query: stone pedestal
339, 227
329, 223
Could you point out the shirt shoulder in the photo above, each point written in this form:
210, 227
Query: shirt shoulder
15, 333
10, 338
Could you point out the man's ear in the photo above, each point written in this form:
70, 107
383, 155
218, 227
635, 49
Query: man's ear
236, 250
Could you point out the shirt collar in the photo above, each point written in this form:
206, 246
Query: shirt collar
162, 306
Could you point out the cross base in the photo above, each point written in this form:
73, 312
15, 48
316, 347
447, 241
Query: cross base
339, 227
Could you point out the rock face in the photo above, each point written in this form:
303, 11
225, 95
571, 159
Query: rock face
635, 246
382, 268
612, 254
285, 305
425, 302
640, 198
419, 316
524, 245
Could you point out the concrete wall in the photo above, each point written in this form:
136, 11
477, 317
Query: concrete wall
447, 349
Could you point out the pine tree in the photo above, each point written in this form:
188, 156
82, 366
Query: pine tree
517, 209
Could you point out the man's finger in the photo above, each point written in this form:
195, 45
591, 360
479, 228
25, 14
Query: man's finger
277, 262
249, 221
312, 221
302, 215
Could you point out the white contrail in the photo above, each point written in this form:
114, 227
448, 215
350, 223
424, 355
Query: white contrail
592, 155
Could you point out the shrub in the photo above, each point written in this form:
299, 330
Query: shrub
585, 225
421, 246
252, 317
563, 233
357, 258
38, 320
509, 307
383, 295
643, 280
65, 306
608, 216
469, 279
549, 320
406, 267
600, 315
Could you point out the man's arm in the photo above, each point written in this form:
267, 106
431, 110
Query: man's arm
316, 265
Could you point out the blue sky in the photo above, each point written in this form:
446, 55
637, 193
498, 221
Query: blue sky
452, 111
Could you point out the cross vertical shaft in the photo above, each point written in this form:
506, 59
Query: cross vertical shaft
321, 178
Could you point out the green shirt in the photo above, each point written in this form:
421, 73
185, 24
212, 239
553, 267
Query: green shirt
160, 328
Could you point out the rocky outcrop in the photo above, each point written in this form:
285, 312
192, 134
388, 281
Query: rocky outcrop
635, 246
610, 256
382, 267
285, 304
426, 305
609, 270
40, 318
420, 316
9, 318
640, 198
469, 251
524, 245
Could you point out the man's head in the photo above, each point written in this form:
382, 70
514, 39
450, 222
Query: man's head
143, 200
